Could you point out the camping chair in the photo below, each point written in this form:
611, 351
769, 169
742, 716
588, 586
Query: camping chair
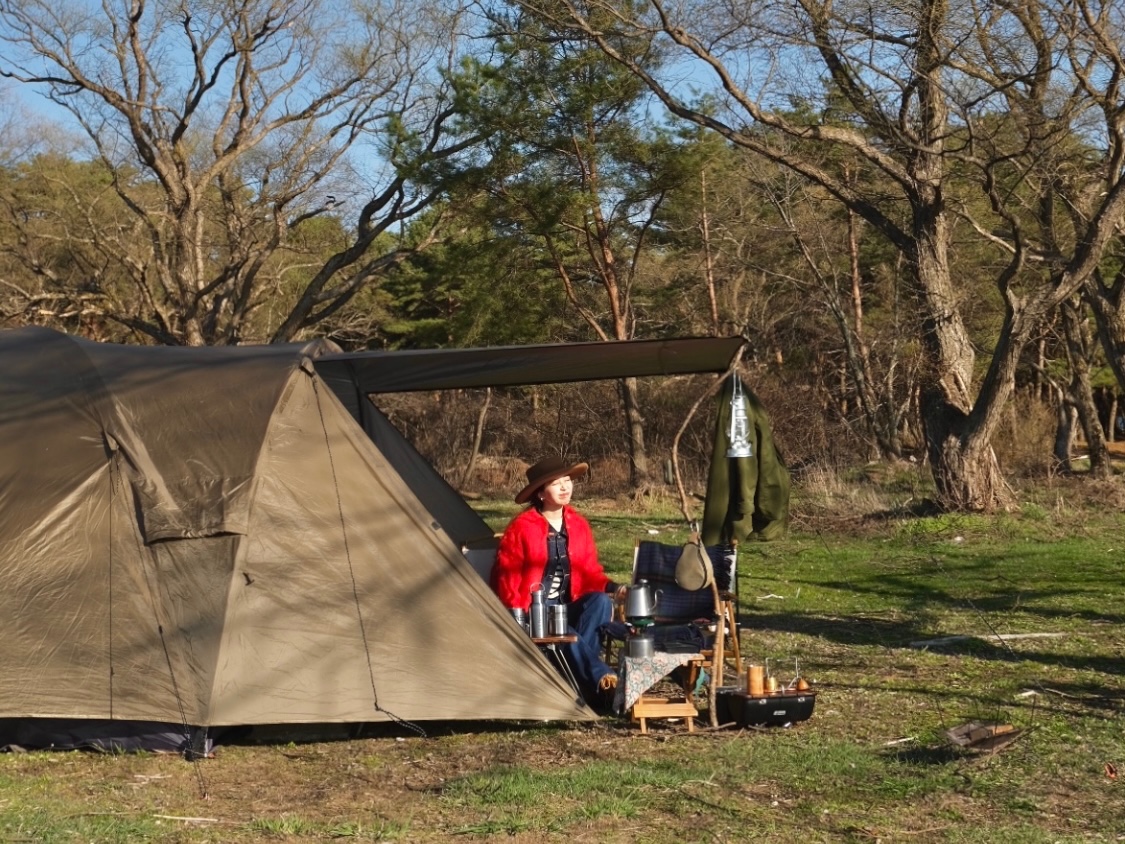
481, 555
712, 610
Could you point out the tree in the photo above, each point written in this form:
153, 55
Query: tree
51, 212
793, 271
478, 287
226, 127
903, 80
579, 171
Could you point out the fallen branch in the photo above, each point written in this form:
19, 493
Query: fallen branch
944, 640
189, 820
1000, 637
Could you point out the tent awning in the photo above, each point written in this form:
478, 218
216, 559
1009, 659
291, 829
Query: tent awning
448, 369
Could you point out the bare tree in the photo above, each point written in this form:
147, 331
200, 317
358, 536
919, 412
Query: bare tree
879, 398
225, 128
898, 77
809, 294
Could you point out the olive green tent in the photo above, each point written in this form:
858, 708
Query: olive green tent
201, 537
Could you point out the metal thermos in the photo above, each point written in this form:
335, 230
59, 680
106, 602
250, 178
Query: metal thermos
538, 615
520, 616
557, 625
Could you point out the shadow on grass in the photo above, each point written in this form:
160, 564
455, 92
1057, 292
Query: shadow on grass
328, 733
993, 592
936, 756
860, 631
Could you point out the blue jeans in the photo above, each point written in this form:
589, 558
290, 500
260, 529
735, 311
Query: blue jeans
585, 618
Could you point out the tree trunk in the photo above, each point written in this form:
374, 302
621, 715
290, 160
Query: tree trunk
965, 469
638, 452
1109, 315
478, 435
1081, 392
709, 259
1065, 417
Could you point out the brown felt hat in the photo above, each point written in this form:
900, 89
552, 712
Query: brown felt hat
547, 470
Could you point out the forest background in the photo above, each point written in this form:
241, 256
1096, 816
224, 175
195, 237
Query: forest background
911, 211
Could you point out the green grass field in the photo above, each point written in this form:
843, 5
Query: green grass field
1024, 614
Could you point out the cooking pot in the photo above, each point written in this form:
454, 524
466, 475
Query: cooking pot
640, 600
640, 645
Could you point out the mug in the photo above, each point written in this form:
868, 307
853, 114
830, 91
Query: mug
556, 625
756, 680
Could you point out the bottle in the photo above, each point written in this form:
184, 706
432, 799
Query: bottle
538, 614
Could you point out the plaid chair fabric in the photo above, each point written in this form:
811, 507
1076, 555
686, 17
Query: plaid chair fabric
656, 563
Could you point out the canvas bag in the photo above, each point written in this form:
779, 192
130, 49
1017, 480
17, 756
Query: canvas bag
693, 568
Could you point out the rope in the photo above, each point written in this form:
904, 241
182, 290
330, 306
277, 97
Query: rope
711, 390
351, 572
113, 480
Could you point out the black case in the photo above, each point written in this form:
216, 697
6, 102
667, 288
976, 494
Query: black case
733, 704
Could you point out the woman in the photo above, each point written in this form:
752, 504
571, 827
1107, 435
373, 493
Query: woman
550, 546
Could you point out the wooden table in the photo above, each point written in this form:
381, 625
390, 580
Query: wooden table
636, 675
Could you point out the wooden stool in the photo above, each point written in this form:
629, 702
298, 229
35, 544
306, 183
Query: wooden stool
655, 706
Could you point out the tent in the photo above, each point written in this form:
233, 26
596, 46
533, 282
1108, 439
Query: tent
193, 538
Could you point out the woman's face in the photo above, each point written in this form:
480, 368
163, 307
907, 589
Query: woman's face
557, 492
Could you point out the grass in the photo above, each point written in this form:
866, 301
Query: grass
848, 601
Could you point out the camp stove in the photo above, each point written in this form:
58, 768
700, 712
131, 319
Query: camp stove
640, 608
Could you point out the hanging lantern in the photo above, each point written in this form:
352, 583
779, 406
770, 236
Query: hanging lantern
739, 424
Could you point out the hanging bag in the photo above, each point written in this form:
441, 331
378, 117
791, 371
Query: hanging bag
693, 568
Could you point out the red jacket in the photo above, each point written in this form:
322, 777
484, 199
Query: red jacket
522, 558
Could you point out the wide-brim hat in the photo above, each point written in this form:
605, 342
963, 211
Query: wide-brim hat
546, 470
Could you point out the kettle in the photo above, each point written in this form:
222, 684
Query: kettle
640, 600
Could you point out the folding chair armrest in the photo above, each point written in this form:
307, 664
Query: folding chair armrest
618, 606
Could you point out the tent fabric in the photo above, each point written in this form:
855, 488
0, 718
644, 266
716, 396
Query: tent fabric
456, 516
747, 497
208, 537
448, 369
460, 520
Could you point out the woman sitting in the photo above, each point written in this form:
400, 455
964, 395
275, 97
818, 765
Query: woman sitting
549, 546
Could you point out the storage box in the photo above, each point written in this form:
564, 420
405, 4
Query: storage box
734, 705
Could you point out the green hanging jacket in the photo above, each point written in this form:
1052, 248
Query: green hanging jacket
747, 497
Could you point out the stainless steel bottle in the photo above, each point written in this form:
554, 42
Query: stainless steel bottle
538, 615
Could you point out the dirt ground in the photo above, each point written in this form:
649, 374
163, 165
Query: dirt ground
386, 785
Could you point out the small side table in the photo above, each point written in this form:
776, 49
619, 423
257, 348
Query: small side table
636, 675
654, 706
550, 646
